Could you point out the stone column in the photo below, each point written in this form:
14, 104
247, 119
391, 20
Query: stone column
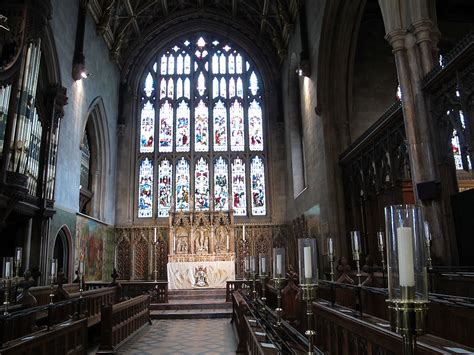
414, 47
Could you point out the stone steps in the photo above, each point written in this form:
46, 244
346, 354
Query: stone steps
193, 304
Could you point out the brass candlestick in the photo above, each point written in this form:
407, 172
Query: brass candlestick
254, 290
308, 297
51, 292
154, 259
278, 282
6, 303
356, 257
263, 279
408, 318
331, 262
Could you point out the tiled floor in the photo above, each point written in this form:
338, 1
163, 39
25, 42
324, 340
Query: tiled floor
183, 336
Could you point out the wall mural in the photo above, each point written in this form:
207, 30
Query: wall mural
95, 244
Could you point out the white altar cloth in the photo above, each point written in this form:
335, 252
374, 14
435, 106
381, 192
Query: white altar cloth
182, 275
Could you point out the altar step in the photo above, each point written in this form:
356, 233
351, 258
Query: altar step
196, 303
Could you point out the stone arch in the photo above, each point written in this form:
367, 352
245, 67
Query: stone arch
99, 141
62, 249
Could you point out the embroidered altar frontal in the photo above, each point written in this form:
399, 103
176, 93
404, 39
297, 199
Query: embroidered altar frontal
200, 274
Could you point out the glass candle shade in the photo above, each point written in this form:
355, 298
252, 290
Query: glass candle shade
263, 264
279, 271
355, 242
53, 271
247, 264
18, 255
330, 242
427, 233
81, 267
7, 267
308, 261
407, 277
253, 266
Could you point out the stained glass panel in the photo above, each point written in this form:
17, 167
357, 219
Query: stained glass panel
170, 88
201, 84
171, 65
165, 175
231, 64
147, 128
253, 84
145, 189
149, 85
164, 61
201, 185
257, 173
240, 88
238, 64
179, 65
162, 89
179, 88
166, 127
182, 185
215, 88
223, 88
255, 127
215, 64
221, 185
237, 142
187, 88
187, 64
222, 64
182, 127
201, 143
220, 126
238, 188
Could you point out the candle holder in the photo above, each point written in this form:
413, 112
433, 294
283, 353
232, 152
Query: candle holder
81, 277
308, 272
52, 277
355, 239
407, 276
331, 257
7, 281
253, 274
263, 277
279, 278
155, 269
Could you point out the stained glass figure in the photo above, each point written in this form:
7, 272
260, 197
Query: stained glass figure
257, 173
166, 128
237, 141
221, 185
147, 128
149, 85
145, 189
238, 188
162, 89
253, 84
220, 126
201, 143
182, 185
255, 126
201, 84
201, 185
165, 176
182, 127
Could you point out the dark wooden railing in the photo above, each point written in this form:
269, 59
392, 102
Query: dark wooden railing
41, 293
122, 320
67, 338
231, 287
158, 291
93, 300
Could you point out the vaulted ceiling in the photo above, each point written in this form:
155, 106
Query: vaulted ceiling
127, 25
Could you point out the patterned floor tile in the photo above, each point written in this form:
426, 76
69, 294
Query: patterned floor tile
183, 336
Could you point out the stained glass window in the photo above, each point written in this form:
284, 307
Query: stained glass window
221, 185
147, 128
201, 185
202, 101
145, 189
239, 187
257, 172
165, 175
182, 185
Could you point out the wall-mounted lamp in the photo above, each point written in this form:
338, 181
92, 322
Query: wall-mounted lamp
304, 67
79, 70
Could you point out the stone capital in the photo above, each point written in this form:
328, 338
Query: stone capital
422, 30
396, 38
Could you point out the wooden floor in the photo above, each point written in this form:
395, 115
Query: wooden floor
183, 336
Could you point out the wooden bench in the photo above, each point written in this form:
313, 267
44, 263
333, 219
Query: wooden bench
65, 338
122, 320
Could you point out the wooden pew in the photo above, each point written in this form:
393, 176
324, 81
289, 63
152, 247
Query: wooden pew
66, 338
122, 320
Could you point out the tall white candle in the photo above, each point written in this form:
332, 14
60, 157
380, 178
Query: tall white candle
8, 270
330, 246
427, 231
174, 243
18, 254
308, 269
53, 268
263, 265
81, 267
406, 269
279, 264
227, 243
246, 263
380, 238
252, 263
243, 232
355, 241
154, 236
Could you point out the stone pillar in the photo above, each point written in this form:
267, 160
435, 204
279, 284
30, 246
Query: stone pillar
414, 44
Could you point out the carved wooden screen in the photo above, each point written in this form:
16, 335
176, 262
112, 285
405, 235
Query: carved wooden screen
141, 260
123, 259
162, 254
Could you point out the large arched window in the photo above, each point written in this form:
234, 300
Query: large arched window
201, 131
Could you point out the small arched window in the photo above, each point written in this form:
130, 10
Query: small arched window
201, 131
85, 179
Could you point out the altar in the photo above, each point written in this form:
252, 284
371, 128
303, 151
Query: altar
203, 249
